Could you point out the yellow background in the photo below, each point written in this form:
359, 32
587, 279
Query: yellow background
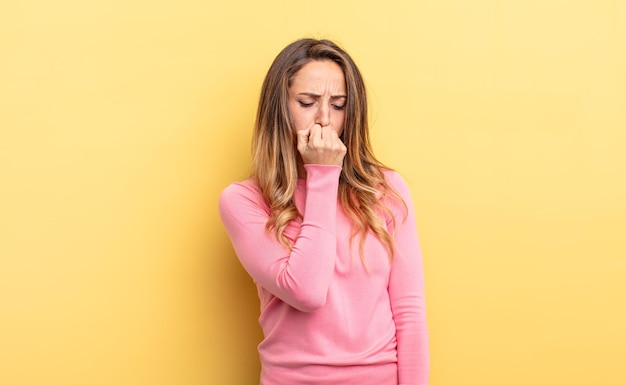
121, 121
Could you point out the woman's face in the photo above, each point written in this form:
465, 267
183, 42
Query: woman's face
318, 96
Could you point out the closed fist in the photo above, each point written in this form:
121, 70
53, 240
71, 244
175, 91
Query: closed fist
321, 145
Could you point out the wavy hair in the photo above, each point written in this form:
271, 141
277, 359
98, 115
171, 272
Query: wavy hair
362, 184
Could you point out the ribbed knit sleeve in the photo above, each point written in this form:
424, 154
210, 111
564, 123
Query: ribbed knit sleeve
406, 291
301, 276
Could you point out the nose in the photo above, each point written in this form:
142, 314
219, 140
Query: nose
323, 115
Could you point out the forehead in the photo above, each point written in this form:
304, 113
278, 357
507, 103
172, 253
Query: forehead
320, 75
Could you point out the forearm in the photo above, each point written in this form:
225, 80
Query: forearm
300, 276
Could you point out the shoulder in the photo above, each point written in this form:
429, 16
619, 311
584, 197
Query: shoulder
396, 181
403, 201
245, 187
239, 194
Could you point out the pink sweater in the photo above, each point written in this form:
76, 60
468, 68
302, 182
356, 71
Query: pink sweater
326, 318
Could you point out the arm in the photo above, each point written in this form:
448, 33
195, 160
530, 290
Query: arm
299, 277
406, 291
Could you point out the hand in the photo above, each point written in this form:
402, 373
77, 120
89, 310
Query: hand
321, 145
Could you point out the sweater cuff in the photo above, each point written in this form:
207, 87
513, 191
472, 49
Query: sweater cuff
322, 184
322, 177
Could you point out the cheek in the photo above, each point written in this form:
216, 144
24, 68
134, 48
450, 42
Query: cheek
301, 119
338, 123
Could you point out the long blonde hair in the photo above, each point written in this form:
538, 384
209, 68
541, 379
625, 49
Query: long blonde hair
362, 184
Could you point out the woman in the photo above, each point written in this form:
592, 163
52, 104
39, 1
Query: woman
327, 232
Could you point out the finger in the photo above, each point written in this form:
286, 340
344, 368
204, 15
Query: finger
315, 135
303, 136
302, 140
329, 132
331, 137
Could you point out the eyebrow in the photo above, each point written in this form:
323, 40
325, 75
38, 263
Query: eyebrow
317, 96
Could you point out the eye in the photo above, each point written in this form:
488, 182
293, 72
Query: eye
304, 104
341, 107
